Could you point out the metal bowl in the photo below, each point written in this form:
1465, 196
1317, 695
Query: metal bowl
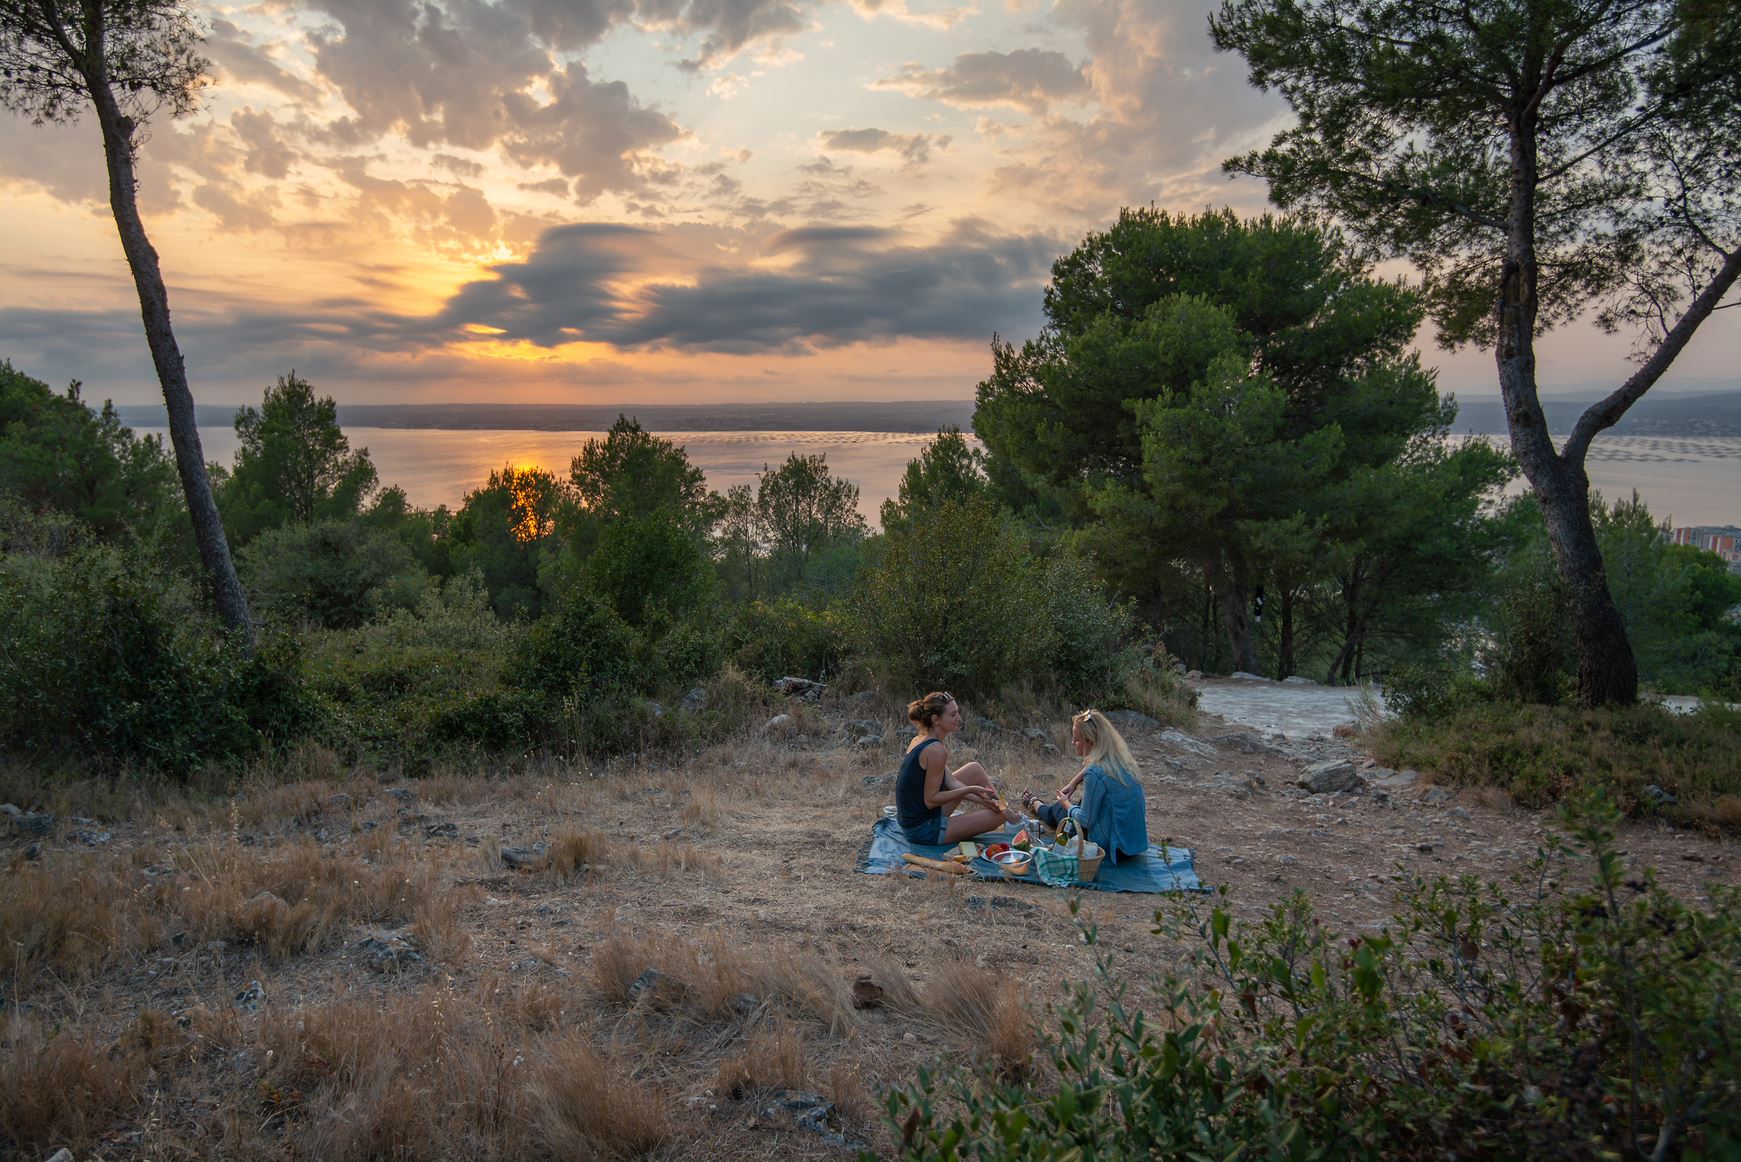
1015, 863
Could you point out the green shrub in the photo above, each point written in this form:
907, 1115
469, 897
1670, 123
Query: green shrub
332, 573
1095, 652
1482, 1023
1431, 690
772, 639
423, 684
1542, 754
102, 658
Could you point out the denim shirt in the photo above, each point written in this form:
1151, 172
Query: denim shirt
1114, 813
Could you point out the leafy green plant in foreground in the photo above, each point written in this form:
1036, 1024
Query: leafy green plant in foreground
1528, 1021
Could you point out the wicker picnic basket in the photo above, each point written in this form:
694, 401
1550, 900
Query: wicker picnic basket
1072, 861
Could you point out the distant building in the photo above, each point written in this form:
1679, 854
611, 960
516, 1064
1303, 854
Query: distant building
1723, 540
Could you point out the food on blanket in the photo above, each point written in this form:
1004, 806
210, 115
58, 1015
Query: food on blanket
958, 857
941, 865
1022, 841
969, 848
1016, 863
994, 850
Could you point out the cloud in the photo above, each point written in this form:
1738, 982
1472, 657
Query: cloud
590, 131
941, 19
726, 27
237, 58
915, 148
806, 289
1030, 79
266, 152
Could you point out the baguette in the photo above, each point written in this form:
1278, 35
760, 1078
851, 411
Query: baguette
941, 865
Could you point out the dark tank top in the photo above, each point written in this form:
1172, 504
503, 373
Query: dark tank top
910, 806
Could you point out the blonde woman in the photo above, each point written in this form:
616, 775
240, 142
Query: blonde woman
1113, 811
927, 791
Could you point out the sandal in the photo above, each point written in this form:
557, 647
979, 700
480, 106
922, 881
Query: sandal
1030, 803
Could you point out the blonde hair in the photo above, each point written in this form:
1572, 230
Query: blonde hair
924, 711
1106, 746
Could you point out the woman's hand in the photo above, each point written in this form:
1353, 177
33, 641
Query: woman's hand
1064, 798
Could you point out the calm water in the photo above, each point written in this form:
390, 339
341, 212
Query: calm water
1688, 481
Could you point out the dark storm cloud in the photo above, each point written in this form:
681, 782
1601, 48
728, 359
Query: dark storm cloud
838, 285
1029, 79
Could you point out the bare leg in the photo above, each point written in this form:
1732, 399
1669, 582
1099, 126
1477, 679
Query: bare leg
971, 823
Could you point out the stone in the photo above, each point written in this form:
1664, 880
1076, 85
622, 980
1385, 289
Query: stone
1436, 796
448, 830
1185, 742
339, 802
10, 810
907, 733
403, 794
887, 780
1243, 741
649, 981
1660, 797
523, 858
866, 992
61, 1155
39, 823
802, 688
251, 999
33, 851
1127, 720
695, 700
1297, 680
1461, 813
780, 726
868, 741
389, 953
92, 838
655, 709
861, 727
1036, 734
1243, 676
1330, 776
1194, 675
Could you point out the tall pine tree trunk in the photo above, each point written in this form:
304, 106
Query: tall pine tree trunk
1607, 670
208, 526
1232, 587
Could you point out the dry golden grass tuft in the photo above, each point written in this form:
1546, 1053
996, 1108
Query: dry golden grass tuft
984, 1008
575, 851
771, 1058
720, 980
69, 917
585, 1106
66, 1087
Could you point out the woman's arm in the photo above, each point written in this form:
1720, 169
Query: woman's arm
936, 795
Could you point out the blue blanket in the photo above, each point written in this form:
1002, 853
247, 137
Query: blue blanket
1158, 871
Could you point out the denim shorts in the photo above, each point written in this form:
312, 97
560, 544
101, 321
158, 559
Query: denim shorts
929, 832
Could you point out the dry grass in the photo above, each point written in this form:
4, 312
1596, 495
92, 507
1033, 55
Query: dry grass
985, 1009
573, 852
62, 1087
719, 980
771, 1058
584, 1106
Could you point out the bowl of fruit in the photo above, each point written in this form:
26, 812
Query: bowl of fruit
1013, 862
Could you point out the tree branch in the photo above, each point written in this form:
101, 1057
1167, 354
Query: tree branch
1606, 413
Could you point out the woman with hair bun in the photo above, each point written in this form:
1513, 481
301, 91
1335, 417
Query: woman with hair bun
926, 790
1113, 812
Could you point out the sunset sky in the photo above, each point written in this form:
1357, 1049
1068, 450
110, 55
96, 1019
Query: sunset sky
601, 201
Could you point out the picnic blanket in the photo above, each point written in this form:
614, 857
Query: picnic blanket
1157, 871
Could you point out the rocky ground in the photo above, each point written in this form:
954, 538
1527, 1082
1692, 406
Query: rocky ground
698, 926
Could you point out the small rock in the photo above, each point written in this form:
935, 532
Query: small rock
339, 802
1436, 795
800, 688
1458, 813
1193, 675
61, 1155
251, 999
745, 1003
38, 823
695, 700
655, 709
403, 794
649, 980
1132, 720
866, 992
389, 952
523, 858
448, 830
868, 741
10, 810
1660, 797
1036, 734
1242, 676
92, 838
33, 851
910, 1038
887, 780
1297, 680
1331, 775
1344, 730
1243, 741
780, 726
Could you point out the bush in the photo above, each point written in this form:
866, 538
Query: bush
1484, 1022
1542, 754
103, 658
336, 574
1431, 690
424, 684
771, 639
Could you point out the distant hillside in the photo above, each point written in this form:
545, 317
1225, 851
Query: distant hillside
851, 416
1718, 414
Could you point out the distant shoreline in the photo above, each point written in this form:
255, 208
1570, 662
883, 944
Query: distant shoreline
1671, 416
906, 416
